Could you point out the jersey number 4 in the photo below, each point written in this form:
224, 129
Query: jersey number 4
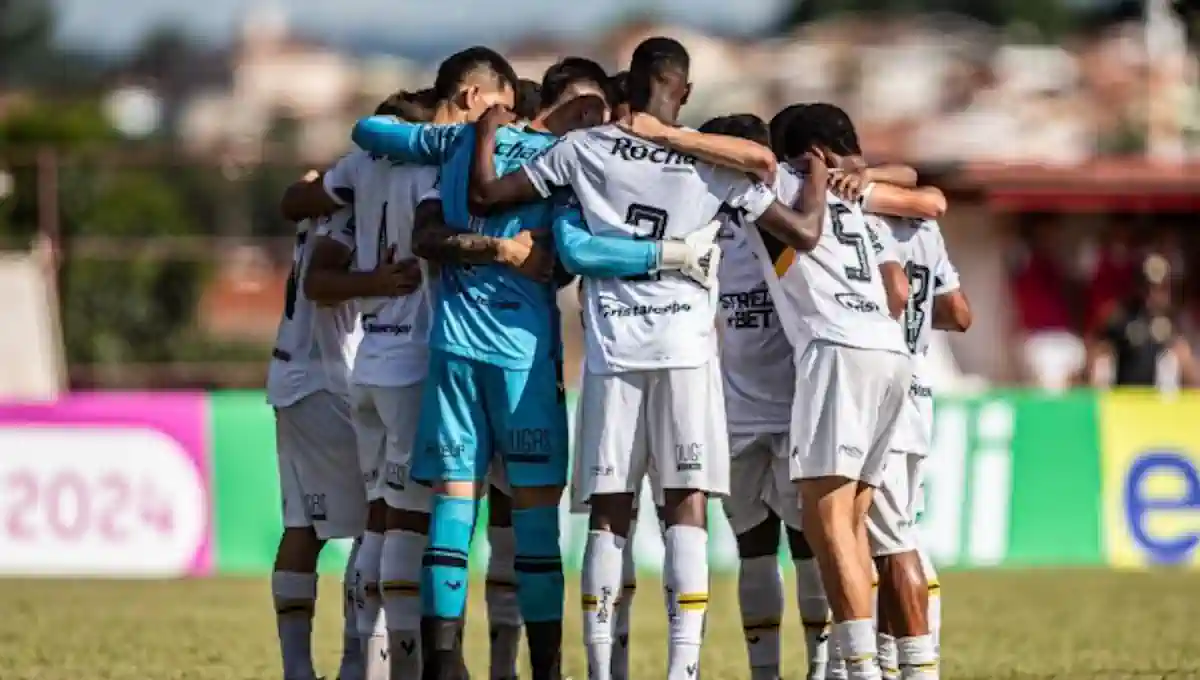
654, 223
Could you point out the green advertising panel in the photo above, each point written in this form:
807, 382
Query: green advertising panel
1014, 480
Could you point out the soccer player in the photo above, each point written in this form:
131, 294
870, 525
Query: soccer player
528, 100
496, 381
322, 495
394, 361
838, 302
651, 393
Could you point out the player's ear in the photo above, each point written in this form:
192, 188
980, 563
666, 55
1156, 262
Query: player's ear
466, 97
687, 93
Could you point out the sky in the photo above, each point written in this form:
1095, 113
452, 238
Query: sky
118, 24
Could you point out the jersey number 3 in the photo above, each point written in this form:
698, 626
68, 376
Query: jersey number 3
654, 222
914, 311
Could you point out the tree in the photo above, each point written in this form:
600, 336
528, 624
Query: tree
26, 29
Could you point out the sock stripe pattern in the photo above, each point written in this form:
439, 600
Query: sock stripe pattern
538, 564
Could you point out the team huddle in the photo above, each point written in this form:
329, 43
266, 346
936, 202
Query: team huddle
756, 305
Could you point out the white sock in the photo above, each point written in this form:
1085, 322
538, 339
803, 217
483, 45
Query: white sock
620, 655
855, 640
686, 570
935, 600
372, 631
918, 660
814, 616
889, 660
295, 596
504, 612
400, 589
352, 666
760, 595
601, 584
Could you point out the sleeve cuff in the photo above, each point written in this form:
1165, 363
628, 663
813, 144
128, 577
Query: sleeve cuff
333, 191
866, 194
758, 202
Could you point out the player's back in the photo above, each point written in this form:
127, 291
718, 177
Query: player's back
756, 358
632, 188
394, 349
314, 346
835, 292
490, 312
920, 246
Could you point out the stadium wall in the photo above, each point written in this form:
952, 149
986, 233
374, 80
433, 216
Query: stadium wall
184, 484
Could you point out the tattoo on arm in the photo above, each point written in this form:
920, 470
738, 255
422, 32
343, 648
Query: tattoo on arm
433, 240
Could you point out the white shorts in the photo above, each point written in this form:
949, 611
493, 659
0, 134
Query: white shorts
385, 420
891, 521
758, 482
914, 429
318, 480
847, 403
668, 424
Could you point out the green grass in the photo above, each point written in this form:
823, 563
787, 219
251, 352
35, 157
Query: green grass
1038, 624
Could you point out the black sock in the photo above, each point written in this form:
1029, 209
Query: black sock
545, 649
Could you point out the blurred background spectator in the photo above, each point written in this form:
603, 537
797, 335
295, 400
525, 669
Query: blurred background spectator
146, 153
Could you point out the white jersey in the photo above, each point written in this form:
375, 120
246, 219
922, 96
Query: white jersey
756, 358
314, 346
631, 188
395, 346
834, 293
922, 250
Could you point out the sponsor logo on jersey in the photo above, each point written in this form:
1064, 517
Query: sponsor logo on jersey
857, 303
631, 150
645, 310
920, 391
370, 326
688, 457
750, 309
517, 150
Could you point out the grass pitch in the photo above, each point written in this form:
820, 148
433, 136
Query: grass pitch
1038, 624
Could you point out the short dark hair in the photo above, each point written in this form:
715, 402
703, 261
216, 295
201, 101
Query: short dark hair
568, 72
458, 66
618, 89
779, 124
821, 124
414, 107
744, 125
529, 99
652, 60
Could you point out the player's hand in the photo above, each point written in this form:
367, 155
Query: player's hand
496, 116
816, 166
311, 176
847, 186
523, 254
645, 126
697, 256
395, 277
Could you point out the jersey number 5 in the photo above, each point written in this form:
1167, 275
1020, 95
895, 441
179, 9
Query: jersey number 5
862, 270
654, 222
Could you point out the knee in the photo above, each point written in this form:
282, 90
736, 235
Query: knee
687, 507
612, 513
299, 548
798, 545
407, 520
526, 498
500, 508
761, 541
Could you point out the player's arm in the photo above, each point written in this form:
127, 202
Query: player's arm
584, 254
895, 174
726, 151
926, 202
404, 142
1189, 370
434, 240
1098, 347
891, 269
799, 225
329, 280
486, 192
951, 310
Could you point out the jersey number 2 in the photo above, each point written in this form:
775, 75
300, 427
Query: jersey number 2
862, 270
654, 221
